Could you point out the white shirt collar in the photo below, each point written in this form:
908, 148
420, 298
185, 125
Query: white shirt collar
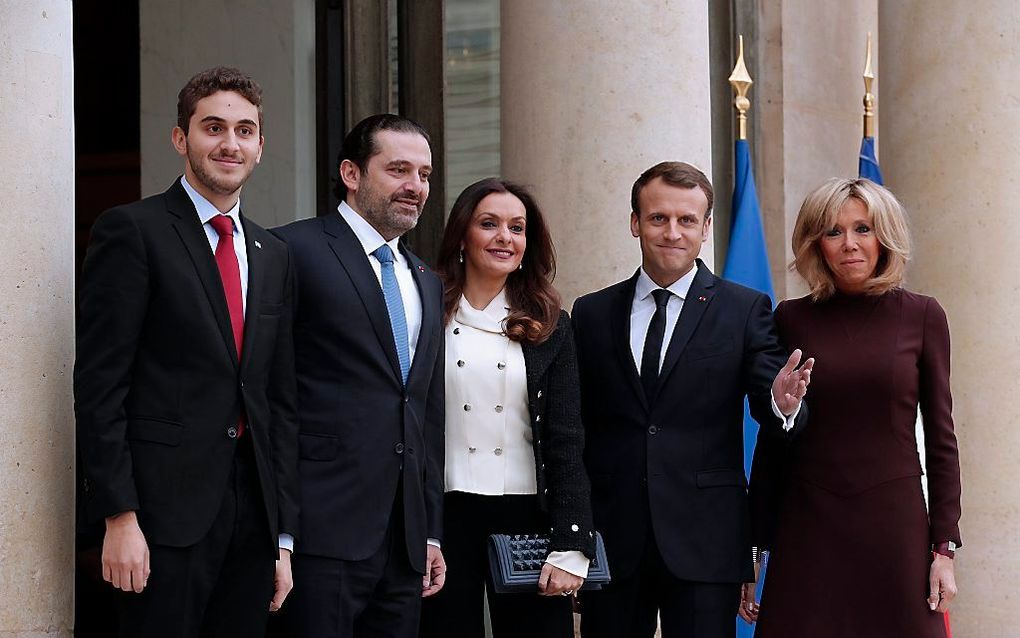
206, 210
680, 287
489, 319
367, 234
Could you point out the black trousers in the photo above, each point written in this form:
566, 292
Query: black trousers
457, 610
220, 586
379, 597
630, 606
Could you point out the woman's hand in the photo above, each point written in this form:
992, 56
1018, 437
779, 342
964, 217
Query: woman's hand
748, 607
942, 583
554, 581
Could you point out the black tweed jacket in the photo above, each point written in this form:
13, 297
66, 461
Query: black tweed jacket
554, 403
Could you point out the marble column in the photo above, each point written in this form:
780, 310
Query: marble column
274, 42
593, 94
949, 143
807, 94
36, 319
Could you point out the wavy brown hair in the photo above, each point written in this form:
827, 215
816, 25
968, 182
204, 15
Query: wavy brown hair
534, 303
818, 214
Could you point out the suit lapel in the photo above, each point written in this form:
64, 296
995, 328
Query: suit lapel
190, 230
351, 254
698, 298
430, 307
253, 301
620, 318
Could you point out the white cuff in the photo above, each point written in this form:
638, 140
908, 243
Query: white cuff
787, 420
287, 542
433, 542
573, 562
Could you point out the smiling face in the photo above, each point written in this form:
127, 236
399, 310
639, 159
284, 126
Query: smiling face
495, 240
222, 146
851, 248
391, 192
672, 225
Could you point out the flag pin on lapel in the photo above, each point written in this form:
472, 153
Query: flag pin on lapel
702, 298
421, 268
257, 244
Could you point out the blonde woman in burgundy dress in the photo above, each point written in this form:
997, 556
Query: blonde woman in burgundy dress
855, 551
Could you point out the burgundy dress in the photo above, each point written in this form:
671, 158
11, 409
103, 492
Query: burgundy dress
852, 542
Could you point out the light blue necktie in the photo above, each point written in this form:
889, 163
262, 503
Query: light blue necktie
395, 306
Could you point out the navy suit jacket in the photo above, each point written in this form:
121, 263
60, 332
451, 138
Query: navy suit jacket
674, 466
365, 439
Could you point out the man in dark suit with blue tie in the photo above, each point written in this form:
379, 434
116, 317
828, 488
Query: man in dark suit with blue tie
666, 358
369, 358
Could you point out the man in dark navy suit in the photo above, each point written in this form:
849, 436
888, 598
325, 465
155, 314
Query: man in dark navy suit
666, 359
184, 385
369, 345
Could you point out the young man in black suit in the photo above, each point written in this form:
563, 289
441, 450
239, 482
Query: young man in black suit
184, 385
666, 359
369, 343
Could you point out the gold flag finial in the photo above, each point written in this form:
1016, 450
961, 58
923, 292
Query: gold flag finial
741, 82
869, 98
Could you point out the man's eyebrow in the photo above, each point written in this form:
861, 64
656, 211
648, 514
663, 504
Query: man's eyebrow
220, 120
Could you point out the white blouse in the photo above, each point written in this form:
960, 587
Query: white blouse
488, 426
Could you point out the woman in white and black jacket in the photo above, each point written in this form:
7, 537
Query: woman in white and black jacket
514, 438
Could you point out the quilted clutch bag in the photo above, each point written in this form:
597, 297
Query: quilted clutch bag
516, 562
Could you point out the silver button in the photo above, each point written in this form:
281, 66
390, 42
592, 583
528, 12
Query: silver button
467, 407
500, 365
539, 394
498, 451
460, 363
472, 450
574, 527
499, 408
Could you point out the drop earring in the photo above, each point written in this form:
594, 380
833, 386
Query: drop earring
461, 258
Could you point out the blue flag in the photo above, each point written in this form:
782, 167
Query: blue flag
747, 263
867, 164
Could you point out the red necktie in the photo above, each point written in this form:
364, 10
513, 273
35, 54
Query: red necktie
230, 274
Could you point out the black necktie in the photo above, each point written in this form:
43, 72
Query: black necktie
653, 344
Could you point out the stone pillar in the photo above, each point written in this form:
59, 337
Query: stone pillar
949, 145
592, 96
807, 110
275, 43
36, 319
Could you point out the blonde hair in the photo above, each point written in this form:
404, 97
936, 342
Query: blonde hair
818, 214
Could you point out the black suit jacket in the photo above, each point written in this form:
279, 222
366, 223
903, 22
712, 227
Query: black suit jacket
673, 467
158, 384
558, 439
363, 435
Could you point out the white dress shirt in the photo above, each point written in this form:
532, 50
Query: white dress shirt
207, 211
642, 310
371, 240
489, 446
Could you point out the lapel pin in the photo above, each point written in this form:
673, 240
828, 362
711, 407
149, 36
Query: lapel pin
421, 268
702, 298
257, 244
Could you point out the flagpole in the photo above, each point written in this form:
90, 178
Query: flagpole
869, 97
741, 82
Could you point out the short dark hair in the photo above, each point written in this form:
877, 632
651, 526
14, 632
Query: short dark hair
534, 303
679, 174
220, 78
359, 145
